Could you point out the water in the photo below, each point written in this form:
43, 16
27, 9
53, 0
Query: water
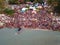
28, 37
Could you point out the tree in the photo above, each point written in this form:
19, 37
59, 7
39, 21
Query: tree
38, 1
55, 4
15, 1
52, 2
3, 5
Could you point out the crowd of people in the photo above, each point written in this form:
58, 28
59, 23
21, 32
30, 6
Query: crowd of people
30, 18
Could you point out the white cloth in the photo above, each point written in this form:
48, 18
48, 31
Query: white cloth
32, 8
23, 9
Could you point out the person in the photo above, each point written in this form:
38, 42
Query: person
19, 29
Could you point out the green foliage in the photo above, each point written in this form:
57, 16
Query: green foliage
27, 0
57, 9
14, 2
55, 4
38, 1
9, 11
49, 2
2, 5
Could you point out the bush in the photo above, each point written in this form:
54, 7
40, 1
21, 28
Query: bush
9, 11
57, 9
38, 1
14, 2
2, 5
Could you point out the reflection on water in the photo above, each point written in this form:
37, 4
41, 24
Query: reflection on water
28, 37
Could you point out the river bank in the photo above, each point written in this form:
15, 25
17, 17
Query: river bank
30, 19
